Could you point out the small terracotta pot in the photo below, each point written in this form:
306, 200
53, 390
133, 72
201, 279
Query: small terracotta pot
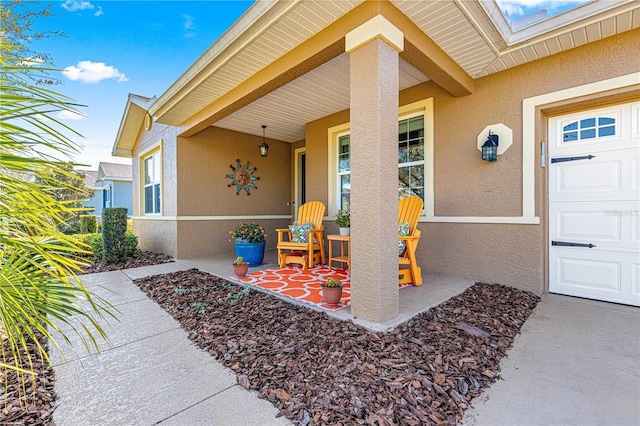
241, 270
332, 295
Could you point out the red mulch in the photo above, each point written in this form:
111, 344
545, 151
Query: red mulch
318, 370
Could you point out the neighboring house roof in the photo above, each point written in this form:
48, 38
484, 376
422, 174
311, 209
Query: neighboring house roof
114, 171
239, 83
90, 180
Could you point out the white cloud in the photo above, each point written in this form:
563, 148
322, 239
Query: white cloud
99, 12
188, 22
73, 5
70, 115
93, 72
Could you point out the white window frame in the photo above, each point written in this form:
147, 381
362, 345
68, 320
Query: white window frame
423, 107
154, 152
107, 197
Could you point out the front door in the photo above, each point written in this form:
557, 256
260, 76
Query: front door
594, 204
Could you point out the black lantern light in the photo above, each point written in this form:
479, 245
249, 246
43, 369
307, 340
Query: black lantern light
264, 147
490, 148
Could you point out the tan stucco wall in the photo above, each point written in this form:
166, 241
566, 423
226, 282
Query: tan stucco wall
194, 187
204, 160
158, 236
467, 186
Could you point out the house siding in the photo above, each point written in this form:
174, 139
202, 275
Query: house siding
194, 183
196, 195
464, 185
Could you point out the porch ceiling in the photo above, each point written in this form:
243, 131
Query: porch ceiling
467, 31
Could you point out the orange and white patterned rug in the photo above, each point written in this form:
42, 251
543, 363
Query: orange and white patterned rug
305, 286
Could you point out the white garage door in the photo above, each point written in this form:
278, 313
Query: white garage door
594, 204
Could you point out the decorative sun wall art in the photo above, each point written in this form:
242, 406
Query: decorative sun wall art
242, 177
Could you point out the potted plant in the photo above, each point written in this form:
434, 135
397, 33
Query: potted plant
249, 240
240, 267
332, 291
343, 219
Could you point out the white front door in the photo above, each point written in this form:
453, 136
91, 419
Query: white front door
594, 204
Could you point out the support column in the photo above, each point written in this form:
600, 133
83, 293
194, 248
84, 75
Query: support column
374, 71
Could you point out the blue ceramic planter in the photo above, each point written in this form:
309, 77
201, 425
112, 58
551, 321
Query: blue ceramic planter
253, 253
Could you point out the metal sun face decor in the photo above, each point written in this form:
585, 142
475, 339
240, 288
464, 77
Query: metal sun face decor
242, 177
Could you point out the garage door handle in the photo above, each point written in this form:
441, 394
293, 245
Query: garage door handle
565, 244
563, 159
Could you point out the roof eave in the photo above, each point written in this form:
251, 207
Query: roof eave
218, 54
132, 120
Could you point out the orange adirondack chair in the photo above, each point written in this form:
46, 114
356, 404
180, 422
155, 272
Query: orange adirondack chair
409, 210
291, 245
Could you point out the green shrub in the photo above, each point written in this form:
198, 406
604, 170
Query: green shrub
95, 242
114, 228
86, 239
130, 226
88, 224
130, 245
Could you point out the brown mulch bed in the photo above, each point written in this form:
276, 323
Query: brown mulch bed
26, 399
145, 258
318, 370
31, 405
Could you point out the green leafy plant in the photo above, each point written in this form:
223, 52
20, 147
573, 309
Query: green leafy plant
343, 218
88, 224
114, 228
239, 261
332, 282
39, 289
248, 233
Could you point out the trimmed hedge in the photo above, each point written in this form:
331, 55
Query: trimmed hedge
114, 228
88, 224
95, 242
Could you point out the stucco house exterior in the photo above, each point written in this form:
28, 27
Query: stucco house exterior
366, 101
112, 185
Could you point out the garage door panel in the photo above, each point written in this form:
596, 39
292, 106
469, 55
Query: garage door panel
635, 174
603, 276
588, 176
608, 176
608, 225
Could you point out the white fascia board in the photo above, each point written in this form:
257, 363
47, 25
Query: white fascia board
220, 53
133, 115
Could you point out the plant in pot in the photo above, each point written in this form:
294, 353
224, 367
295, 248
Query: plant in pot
249, 240
332, 291
343, 219
240, 267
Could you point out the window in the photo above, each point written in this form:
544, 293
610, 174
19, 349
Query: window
588, 128
344, 171
411, 176
152, 174
106, 197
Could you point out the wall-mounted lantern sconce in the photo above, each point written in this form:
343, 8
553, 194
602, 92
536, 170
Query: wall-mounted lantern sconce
489, 145
264, 147
490, 148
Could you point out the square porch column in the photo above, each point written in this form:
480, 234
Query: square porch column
374, 73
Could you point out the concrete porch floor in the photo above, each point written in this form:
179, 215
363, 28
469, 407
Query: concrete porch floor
413, 300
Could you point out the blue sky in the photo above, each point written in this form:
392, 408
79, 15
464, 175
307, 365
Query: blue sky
517, 9
114, 48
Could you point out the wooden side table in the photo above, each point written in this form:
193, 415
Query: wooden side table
345, 245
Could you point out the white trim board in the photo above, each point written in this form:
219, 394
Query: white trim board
200, 218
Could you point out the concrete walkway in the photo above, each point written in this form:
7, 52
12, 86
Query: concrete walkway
576, 362
151, 373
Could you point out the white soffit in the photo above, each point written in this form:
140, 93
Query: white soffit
273, 33
320, 92
476, 35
